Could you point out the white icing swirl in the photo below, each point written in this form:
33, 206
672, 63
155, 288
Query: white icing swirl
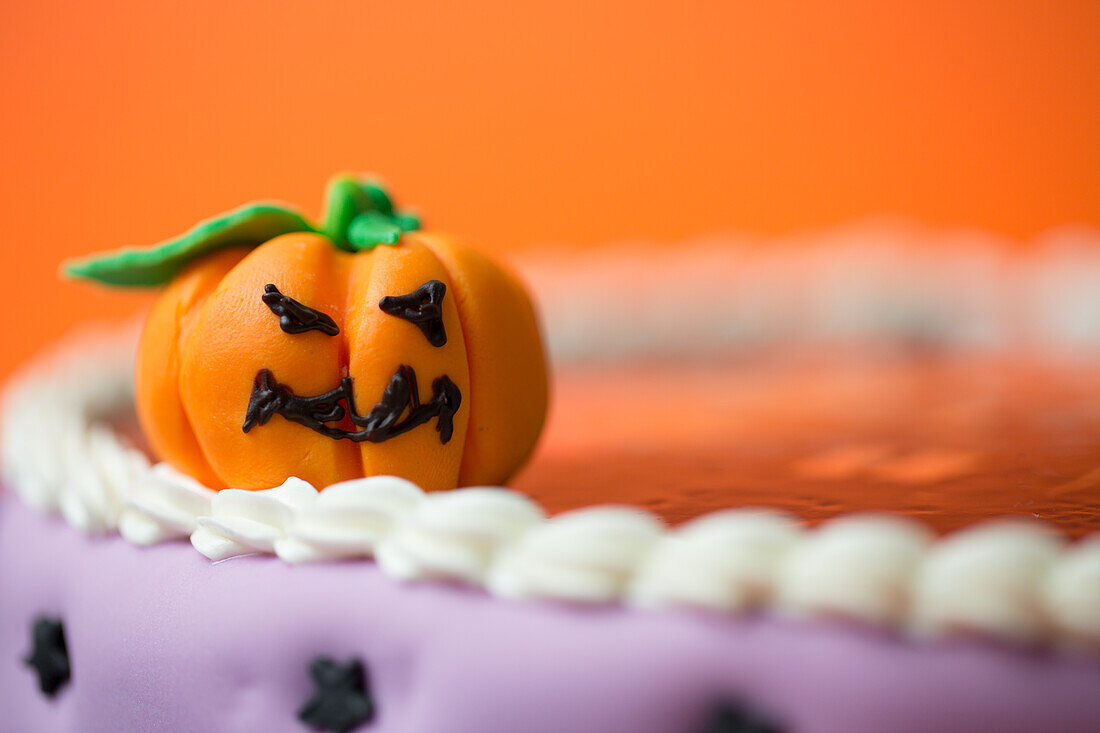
246, 522
1072, 594
32, 464
95, 496
164, 505
587, 555
349, 519
1009, 580
858, 567
725, 561
987, 580
866, 283
455, 535
50, 438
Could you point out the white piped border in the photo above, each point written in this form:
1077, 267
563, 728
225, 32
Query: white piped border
1008, 580
862, 283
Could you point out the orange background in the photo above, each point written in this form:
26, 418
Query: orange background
524, 124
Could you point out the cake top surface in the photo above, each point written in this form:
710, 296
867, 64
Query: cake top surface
878, 367
947, 438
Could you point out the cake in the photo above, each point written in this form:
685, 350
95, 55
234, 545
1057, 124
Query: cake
844, 485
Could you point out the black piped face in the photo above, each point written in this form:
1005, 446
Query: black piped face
294, 317
383, 422
422, 307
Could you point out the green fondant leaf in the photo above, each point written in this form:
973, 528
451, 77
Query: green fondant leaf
359, 215
252, 224
370, 229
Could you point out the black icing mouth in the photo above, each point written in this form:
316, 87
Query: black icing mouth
400, 397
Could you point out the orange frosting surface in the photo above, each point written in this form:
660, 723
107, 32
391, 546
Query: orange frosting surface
950, 439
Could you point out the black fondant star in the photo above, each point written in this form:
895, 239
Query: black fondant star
735, 717
49, 656
340, 701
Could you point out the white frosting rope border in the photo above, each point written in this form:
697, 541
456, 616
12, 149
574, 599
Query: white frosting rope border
1010, 580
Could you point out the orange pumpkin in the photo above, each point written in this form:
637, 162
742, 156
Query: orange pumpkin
320, 354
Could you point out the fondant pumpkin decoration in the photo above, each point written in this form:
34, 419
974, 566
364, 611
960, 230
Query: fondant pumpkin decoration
283, 349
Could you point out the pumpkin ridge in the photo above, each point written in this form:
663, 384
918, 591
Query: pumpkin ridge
387, 343
345, 269
469, 396
177, 356
182, 320
507, 360
235, 334
186, 343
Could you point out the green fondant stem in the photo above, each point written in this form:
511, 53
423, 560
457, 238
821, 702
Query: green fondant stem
359, 215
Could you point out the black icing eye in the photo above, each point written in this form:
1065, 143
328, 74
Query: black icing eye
295, 317
49, 656
341, 701
735, 717
424, 307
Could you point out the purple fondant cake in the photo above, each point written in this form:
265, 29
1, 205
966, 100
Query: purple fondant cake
832, 506
162, 640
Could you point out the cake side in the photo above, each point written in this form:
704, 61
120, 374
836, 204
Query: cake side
200, 646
